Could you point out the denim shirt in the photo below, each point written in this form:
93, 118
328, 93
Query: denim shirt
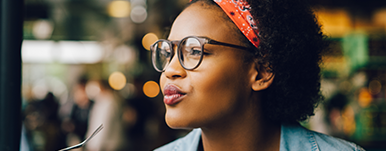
292, 138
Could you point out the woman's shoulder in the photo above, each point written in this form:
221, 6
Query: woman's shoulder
186, 143
296, 137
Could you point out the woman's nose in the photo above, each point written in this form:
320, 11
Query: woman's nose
174, 69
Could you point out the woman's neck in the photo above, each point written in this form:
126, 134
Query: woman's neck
243, 132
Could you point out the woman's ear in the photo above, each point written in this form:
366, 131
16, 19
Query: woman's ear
262, 76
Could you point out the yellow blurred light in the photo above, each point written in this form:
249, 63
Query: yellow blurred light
335, 22
119, 9
348, 117
379, 17
375, 87
117, 80
151, 89
148, 40
364, 98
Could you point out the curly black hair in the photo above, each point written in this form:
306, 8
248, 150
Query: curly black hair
291, 44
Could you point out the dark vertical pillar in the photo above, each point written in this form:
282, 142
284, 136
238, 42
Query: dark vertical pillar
11, 30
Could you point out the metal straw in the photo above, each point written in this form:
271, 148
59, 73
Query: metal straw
85, 141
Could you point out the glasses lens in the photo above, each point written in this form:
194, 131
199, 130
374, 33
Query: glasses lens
190, 52
161, 55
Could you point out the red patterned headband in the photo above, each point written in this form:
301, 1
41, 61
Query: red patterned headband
238, 12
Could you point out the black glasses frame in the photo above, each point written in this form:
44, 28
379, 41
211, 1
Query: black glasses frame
201, 39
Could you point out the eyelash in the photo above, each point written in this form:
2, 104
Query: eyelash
205, 52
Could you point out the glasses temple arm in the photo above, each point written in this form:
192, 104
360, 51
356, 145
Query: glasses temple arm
214, 42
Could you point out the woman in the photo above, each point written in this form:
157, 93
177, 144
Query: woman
242, 74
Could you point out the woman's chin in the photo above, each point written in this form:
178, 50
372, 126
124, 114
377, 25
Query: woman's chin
176, 121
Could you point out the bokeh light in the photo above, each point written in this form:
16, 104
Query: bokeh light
375, 87
365, 97
117, 80
148, 40
92, 89
151, 89
42, 29
380, 17
128, 91
119, 9
138, 14
125, 55
348, 119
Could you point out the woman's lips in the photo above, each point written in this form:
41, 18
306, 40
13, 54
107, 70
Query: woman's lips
172, 95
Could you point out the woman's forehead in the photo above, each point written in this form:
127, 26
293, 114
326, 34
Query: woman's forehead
199, 20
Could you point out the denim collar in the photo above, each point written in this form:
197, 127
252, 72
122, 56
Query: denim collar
292, 138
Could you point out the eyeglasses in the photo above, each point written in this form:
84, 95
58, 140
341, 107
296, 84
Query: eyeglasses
190, 51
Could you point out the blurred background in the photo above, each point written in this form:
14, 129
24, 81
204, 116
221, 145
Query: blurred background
87, 62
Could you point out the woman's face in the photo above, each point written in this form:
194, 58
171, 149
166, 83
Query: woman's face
219, 88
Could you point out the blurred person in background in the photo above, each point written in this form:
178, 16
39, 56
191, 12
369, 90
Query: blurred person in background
142, 124
43, 124
106, 110
76, 122
335, 107
243, 74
